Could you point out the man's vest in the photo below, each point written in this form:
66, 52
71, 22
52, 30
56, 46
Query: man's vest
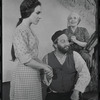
64, 78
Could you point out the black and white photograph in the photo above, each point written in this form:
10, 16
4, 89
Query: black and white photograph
50, 50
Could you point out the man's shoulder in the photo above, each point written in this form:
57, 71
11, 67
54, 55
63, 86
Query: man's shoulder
76, 54
49, 53
64, 30
77, 57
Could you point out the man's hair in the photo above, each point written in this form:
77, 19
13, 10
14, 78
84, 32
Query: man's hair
56, 35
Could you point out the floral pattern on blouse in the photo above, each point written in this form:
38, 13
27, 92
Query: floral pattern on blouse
25, 44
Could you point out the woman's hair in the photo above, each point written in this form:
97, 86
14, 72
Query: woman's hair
27, 7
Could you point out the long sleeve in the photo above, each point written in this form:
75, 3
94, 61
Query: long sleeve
86, 35
84, 75
46, 80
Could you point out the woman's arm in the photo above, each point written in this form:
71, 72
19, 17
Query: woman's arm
82, 44
46, 79
86, 38
24, 55
37, 65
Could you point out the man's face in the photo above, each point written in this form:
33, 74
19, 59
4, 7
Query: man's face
63, 44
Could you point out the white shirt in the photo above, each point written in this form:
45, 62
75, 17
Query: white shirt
61, 60
81, 68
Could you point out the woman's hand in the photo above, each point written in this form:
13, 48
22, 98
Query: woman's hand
73, 38
48, 70
82, 44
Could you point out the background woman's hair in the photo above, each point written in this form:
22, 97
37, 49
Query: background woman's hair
26, 9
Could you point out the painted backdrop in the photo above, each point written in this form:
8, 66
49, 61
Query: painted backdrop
54, 17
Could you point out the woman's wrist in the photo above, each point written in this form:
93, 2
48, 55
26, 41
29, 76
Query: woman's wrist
44, 66
76, 41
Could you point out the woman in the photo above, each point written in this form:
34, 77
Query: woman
78, 36
26, 82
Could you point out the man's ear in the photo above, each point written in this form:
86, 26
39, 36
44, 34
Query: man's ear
55, 46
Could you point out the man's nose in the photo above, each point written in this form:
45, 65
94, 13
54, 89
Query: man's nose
67, 43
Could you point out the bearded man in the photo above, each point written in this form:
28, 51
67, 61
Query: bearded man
70, 73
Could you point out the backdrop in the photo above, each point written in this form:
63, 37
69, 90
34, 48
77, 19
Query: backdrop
54, 17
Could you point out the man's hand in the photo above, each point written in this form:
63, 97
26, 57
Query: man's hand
75, 95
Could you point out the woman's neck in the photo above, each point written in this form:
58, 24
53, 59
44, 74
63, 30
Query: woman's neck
73, 28
26, 23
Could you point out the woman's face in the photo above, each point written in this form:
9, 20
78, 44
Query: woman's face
73, 20
36, 15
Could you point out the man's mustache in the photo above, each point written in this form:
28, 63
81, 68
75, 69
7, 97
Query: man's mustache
68, 46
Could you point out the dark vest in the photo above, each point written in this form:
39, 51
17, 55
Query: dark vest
64, 77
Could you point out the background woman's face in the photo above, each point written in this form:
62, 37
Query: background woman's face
74, 19
36, 15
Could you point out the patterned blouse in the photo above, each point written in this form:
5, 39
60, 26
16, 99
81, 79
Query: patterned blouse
25, 44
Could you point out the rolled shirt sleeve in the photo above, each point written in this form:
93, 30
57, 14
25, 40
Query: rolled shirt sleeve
84, 75
22, 51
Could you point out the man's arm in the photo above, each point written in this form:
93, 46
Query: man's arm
82, 69
84, 76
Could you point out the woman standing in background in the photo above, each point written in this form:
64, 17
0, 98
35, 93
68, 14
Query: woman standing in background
78, 36
26, 82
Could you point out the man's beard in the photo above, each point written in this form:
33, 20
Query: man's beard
63, 50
